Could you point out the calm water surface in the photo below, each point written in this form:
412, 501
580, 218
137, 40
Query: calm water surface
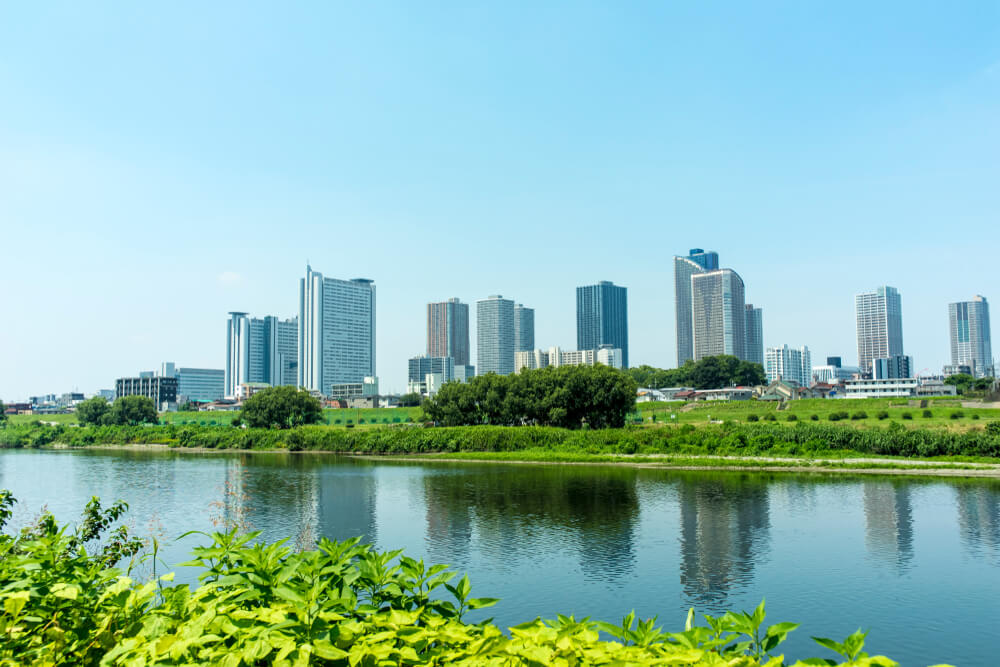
915, 561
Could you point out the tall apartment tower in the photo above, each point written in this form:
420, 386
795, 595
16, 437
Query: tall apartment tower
495, 335
718, 321
524, 328
602, 317
789, 364
448, 330
880, 326
260, 350
336, 331
697, 261
755, 335
969, 324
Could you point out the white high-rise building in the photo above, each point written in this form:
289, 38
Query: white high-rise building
495, 336
718, 309
237, 352
336, 331
879, 326
524, 328
555, 356
755, 334
697, 261
969, 328
788, 364
260, 351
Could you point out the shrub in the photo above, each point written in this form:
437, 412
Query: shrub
975, 416
752, 418
956, 414
834, 416
907, 415
770, 417
882, 414
927, 414
791, 418
814, 417
860, 414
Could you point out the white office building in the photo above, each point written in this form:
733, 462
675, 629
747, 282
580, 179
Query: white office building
718, 308
788, 364
259, 351
336, 331
555, 356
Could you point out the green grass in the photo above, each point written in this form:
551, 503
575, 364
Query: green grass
357, 418
701, 413
28, 419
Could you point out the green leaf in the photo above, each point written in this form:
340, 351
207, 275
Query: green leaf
482, 603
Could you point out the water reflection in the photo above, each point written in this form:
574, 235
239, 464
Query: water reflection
725, 530
979, 519
505, 513
889, 521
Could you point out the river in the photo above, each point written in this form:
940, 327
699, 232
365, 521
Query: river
915, 561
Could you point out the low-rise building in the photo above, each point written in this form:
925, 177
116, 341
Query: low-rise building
957, 369
351, 390
247, 389
834, 373
161, 390
556, 356
892, 388
724, 394
890, 368
200, 384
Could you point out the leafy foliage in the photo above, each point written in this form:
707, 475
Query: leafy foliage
410, 400
94, 411
3, 414
340, 604
133, 410
281, 407
567, 396
708, 373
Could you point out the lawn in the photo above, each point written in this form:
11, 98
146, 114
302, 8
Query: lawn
941, 409
341, 417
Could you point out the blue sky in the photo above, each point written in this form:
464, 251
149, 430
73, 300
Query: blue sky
162, 165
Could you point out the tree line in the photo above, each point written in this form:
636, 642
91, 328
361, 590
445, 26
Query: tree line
710, 373
567, 396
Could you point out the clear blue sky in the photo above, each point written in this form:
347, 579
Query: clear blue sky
162, 165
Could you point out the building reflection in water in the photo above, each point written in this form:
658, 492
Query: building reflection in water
347, 503
508, 510
979, 519
889, 522
725, 528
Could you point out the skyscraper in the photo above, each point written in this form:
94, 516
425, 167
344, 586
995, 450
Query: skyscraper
602, 317
697, 261
718, 314
495, 335
969, 326
789, 364
336, 331
524, 328
879, 325
755, 335
448, 330
260, 350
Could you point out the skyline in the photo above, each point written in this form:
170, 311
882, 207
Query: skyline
156, 175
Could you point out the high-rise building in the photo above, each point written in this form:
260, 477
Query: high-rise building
755, 335
697, 261
336, 331
718, 312
524, 328
602, 317
879, 326
448, 330
419, 367
495, 335
200, 384
892, 368
788, 364
533, 359
260, 351
969, 326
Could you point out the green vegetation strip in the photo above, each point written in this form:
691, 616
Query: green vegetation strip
334, 603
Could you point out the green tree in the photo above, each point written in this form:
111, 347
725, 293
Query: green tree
411, 400
93, 411
131, 411
961, 381
3, 413
281, 407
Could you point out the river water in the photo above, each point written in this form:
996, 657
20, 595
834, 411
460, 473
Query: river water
914, 560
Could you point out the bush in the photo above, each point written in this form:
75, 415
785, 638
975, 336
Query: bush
753, 418
882, 414
927, 414
363, 607
907, 415
770, 417
860, 414
975, 416
791, 418
834, 416
956, 414
814, 417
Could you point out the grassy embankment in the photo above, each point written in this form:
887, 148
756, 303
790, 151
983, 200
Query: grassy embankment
358, 418
941, 409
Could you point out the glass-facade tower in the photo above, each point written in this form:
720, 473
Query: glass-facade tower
718, 314
495, 336
969, 328
524, 328
602, 317
448, 330
879, 326
697, 261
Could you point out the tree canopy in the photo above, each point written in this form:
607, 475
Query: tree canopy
710, 373
126, 411
3, 413
93, 411
568, 396
281, 407
410, 400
